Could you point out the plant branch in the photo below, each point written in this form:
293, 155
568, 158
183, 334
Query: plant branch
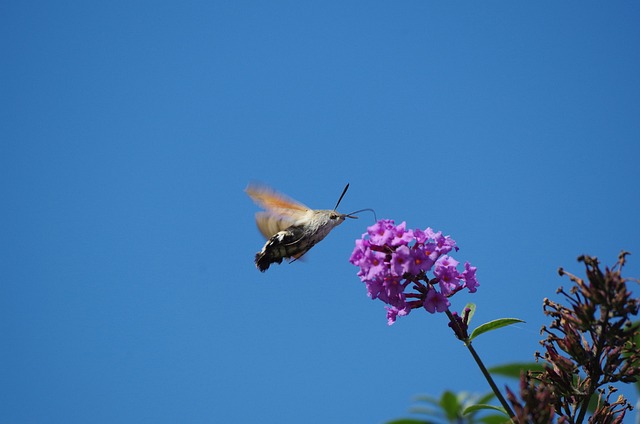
483, 369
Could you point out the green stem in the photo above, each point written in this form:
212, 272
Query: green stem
484, 371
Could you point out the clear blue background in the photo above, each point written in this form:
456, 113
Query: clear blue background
129, 130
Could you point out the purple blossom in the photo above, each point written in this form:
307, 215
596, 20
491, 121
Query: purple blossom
395, 262
401, 261
393, 312
401, 236
447, 275
444, 243
420, 236
382, 232
446, 262
373, 264
469, 276
436, 302
393, 292
419, 261
374, 287
358, 253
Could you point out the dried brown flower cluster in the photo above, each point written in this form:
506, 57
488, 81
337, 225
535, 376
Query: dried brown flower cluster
589, 347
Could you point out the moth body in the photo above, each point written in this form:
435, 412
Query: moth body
290, 227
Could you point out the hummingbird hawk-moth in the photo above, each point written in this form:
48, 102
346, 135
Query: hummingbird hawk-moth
290, 227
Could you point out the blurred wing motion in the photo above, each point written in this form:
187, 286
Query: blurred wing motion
281, 211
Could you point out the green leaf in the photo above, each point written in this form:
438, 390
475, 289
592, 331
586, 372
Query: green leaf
427, 399
494, 419
493, 325
408, 421
486, 398
514, 369
479, 407
422, 410
450, 405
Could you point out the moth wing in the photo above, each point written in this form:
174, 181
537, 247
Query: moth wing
276, 203
270, 223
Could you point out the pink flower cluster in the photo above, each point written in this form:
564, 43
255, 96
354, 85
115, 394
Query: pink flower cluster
393, 260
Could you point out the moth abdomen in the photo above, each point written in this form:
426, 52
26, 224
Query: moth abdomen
290, 243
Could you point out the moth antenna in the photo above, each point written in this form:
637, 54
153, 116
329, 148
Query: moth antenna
350, 215
341, 196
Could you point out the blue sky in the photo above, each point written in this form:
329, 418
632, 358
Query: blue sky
130, 130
